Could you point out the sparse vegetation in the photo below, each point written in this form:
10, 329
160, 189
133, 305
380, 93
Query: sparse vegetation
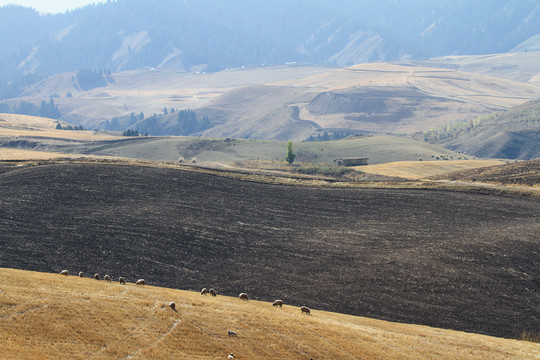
59, 126
323, 169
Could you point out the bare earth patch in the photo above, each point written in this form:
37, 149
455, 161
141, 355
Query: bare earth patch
448, 259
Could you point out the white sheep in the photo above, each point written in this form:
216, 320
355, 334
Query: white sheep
231, 333
231, 356
107, 278
64, 272
278, 303
96, 276
305, 309
243, 296
212, 292
140, 282
122, 280
81, 274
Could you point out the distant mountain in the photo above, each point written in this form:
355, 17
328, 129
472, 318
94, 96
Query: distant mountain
211, 35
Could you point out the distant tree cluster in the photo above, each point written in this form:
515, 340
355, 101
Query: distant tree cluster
187, 122
89, 79
69, 127
334, 136
130, 132
46, 109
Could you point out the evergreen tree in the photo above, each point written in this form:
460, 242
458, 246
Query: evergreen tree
290, 154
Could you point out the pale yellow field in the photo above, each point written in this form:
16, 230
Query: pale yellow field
21, 154
50, 316
13, 125
415, 170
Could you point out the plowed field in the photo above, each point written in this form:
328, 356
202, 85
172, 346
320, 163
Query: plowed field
447, 259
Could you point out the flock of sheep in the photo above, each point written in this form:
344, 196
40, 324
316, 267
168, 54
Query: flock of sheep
107, 278
204, 291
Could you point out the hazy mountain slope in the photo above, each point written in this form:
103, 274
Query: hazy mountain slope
214, 35
183, 35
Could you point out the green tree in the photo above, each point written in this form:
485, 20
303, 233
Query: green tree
290, 154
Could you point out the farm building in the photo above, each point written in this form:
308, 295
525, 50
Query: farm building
351, 161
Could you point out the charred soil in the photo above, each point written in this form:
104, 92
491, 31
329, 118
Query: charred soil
448, 259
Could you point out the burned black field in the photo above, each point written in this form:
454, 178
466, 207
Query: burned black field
448, 259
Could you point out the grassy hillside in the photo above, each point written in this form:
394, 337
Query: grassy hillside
521, 173
446, 259
421, 169
381, 98
513, 134
30, 133
51, 316
517, 65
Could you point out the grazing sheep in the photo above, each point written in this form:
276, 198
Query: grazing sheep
212, 292
231, 333
81, 274
107, 278
204, 291
305, 309
122, 280
243, 296
140, 282
96, 276
64, 272
231, 356
172, 305
278, 303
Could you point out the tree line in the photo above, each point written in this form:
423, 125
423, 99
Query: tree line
46, 109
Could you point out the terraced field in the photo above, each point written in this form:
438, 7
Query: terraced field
447, 259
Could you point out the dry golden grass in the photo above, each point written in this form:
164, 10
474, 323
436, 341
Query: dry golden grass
25, 155
49, 316
13, 125
414, 170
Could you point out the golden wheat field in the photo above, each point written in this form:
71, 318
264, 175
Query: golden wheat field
414, 170
51, 316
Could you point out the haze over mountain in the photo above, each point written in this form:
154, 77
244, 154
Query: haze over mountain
214, 35
284, 70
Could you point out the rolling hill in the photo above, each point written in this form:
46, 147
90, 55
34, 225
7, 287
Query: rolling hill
40, 134
456, 260
521, 173
52, 316
284, 103
512, 134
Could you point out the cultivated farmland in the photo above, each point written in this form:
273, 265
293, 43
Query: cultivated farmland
447, 259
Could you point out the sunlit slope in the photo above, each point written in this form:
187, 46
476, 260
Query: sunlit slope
50, 316
15, 125
421, 169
